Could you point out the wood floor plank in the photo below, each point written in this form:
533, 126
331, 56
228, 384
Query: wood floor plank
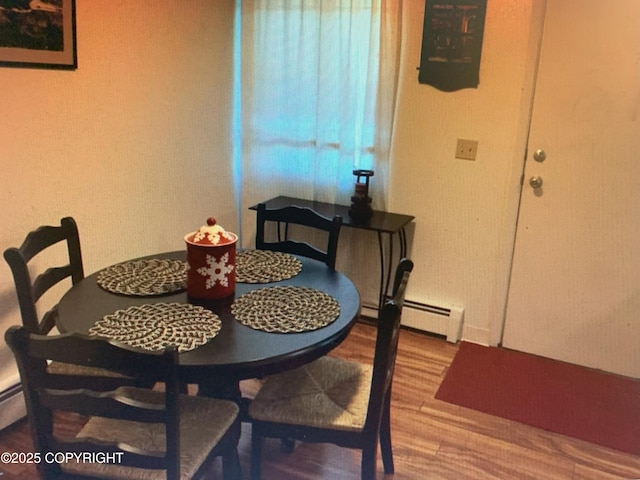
432, 439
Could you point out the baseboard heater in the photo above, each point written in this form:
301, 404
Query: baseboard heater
445, 321
12, 407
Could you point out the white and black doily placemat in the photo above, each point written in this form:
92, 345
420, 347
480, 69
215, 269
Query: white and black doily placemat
286, 309
155, 326
144, 277
264, 266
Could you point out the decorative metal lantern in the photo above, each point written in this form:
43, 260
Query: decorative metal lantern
361, 210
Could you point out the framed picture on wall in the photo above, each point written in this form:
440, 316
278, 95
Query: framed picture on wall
38, 34
452, 43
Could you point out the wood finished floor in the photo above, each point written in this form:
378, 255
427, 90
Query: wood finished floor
432, 439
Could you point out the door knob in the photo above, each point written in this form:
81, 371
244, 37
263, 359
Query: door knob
540, 155
535, 182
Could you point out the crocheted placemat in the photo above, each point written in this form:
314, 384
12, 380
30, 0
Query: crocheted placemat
144, 277
155, 326
264, 266
285, 309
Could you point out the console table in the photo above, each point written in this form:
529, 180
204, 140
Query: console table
383, 223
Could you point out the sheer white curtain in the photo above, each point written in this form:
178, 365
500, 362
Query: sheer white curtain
318, 89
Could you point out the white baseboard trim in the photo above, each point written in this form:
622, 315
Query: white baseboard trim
12, 407
476, 335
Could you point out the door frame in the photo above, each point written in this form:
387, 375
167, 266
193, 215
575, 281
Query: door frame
536, 33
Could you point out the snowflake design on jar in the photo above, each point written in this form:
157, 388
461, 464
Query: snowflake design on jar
217, 271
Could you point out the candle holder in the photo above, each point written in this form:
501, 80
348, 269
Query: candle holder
361, 210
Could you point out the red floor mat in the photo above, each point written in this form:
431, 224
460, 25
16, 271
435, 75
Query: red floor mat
578, 402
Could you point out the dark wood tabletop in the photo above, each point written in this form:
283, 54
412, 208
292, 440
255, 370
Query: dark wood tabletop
237, 352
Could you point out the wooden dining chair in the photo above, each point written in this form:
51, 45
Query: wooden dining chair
134, 433
30, 290
336, 401
298, 216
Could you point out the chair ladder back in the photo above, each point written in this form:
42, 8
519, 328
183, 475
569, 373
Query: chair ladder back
28, 291
44, 395
299, 216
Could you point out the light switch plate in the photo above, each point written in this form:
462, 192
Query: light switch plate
466, 149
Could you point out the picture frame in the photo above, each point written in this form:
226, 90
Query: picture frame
38, 34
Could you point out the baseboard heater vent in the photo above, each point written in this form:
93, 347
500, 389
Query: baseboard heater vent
445, 321
12, 407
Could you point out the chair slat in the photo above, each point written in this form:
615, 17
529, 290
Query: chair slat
42, 238
103, 404
49, 278
298, 248
96, 352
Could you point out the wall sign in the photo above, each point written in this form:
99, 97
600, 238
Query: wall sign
452, 44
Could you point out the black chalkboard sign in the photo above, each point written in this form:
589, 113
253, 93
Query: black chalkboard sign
452, 44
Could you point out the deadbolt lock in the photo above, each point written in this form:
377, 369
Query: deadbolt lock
540, 155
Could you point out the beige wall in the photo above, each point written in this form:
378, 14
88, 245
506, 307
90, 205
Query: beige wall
135, 144
465, 210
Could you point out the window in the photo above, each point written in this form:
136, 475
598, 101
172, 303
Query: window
311, 85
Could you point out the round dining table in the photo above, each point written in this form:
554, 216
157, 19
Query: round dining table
238, 351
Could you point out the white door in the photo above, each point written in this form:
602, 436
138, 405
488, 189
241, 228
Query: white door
575, 286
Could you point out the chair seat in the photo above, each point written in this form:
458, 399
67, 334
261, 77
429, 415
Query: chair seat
327, 393
203, 422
